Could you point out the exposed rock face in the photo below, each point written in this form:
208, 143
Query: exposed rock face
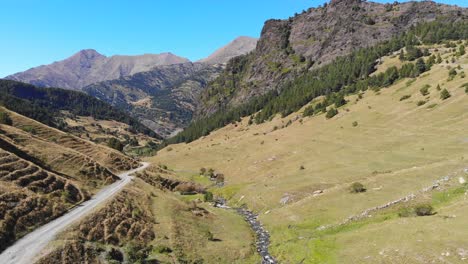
88, 66
163, 98
239, 46
311, 39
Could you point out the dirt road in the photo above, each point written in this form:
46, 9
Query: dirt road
25, 250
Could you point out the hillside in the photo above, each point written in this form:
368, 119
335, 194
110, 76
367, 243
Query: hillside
239, 46
163, 98
48, 106
151, 224
312, 39
406, 143
45, 171
88, 66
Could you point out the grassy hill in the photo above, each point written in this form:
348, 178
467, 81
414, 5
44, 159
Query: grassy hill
45, 171
296, 171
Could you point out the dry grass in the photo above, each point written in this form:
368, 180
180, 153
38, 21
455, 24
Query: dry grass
396, 148
105, 156
30, 196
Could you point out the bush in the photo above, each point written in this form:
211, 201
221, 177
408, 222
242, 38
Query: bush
452, 74
202, 171
425, 90
357, 187
404, 97
115, 144
331, 113
423, 210
208, 197
419, 103
418, 210
308, 111
5, 119
444, 94
355, 124
162, 249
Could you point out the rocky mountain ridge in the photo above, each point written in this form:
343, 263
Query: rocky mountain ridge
88, 66
312, 39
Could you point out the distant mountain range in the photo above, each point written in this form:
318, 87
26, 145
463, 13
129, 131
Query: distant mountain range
88, 66
161, 90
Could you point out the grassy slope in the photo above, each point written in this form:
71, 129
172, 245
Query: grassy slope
396, 148
112, 159
174, 226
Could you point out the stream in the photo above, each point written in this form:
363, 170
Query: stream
262, 236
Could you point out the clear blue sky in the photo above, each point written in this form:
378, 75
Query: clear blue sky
36, 32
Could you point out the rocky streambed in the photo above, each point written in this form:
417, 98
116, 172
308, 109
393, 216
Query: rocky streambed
262, 236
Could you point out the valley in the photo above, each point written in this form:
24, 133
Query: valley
338, 136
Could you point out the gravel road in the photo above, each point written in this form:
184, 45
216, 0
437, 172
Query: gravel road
25, 250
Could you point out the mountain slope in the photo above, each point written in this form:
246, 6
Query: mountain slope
402, 142
288, 48
45, 171
239, 46
88, 66
163, 98
48, 105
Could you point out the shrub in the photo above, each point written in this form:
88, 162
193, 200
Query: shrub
5, 119
331, 113
302, 167
210, 173
425, 90
421, 102
208, 197
423, 210
452, 74
444, 94
308, 111
357, 187
202, 171
432, 105
162, 249
355, 124
115, 144
404, 97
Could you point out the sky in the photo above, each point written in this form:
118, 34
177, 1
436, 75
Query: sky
36, 32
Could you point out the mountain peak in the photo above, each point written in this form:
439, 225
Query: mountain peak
239, 46
87, 54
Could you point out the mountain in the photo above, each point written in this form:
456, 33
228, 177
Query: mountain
88, 66
163, 98
312, 39
240, 46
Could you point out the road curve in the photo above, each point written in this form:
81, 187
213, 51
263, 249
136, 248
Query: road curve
27, 248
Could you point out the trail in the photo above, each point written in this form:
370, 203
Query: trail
27, 248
